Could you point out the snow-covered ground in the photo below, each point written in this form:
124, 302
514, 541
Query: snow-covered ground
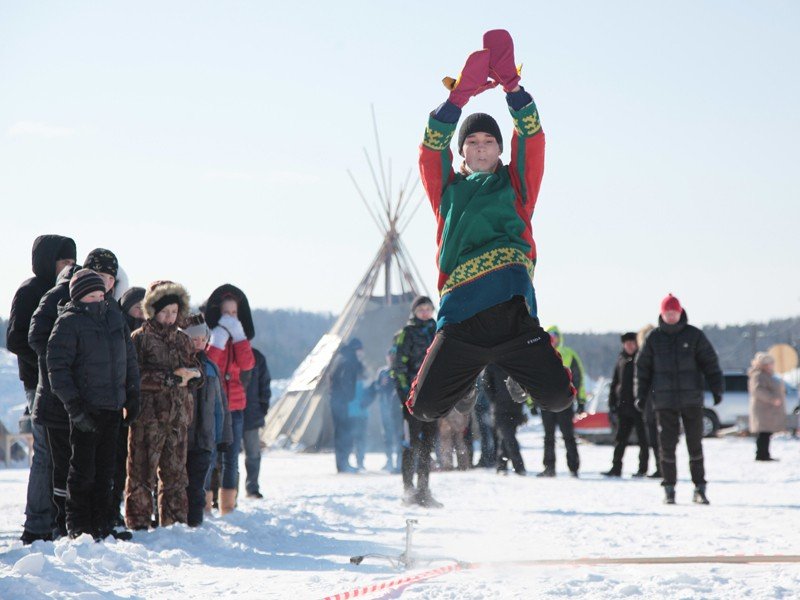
296, 543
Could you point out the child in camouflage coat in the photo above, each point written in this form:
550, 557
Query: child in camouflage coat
157, 444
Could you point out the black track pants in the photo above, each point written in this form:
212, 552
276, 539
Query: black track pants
505, 335
668, 433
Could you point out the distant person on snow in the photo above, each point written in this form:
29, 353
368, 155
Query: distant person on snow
158, 440
486, 253
383, 390
92, 367
411, 345
563, 419
650, 413
621, 406
767, 403
345, 370
508, 416
210, 422
670, 369
258, 395
49, 256
227, 313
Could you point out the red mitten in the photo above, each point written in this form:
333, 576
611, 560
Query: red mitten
473, 80
501, 62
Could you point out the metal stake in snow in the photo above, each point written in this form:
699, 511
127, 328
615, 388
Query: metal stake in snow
407, 559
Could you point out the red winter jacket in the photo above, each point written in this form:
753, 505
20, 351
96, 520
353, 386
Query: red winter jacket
231, 361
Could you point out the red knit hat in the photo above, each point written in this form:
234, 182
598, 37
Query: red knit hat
670, 303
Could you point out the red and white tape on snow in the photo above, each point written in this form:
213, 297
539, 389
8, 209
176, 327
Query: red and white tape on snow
652, 560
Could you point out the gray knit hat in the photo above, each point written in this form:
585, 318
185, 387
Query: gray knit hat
195, 326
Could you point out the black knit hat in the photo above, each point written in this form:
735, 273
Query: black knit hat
131, 298
102, 261
479, 123
628, 337
85, 282
419, 301
164, 301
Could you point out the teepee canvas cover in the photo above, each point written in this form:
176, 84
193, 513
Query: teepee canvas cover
301, 419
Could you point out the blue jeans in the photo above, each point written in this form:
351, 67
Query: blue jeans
230, 458
40, 511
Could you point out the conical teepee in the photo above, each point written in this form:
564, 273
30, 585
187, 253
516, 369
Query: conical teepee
301, 419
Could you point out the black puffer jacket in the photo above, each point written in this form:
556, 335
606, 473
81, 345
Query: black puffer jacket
46, 249
493, 382
621, 396
91, 360
411, 345
48, 410
672, 363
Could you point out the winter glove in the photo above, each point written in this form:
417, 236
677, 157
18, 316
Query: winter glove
172, 380
219, 337
234, 327
639, 404
717, 399
132, 410
501, 59
473, 80
83, 422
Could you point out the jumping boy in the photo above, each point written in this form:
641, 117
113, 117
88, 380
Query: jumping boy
486, 252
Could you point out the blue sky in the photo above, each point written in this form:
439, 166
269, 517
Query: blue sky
208, 142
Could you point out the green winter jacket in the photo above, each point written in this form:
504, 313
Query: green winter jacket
572, 362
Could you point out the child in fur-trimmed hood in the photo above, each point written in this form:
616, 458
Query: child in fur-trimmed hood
157, 443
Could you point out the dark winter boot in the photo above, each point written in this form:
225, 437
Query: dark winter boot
548, 472
700, 495
426, 499
669, 494
612, 473
409, 496
655, 474
639, 474
28, 538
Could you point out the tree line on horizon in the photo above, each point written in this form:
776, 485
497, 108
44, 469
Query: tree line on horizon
286, 336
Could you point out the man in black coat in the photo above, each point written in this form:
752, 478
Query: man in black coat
670, 369
345, 370
50, 255
258, 396
621, 406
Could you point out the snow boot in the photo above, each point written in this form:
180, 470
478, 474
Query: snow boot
574, 474
410, 496
699, 496
669, 494
655, 474
548, 472
28, 538
612, 473
639, 474
255, 495
227, 500
426, 499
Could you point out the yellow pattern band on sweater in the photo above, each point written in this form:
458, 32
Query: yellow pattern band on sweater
484, 264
